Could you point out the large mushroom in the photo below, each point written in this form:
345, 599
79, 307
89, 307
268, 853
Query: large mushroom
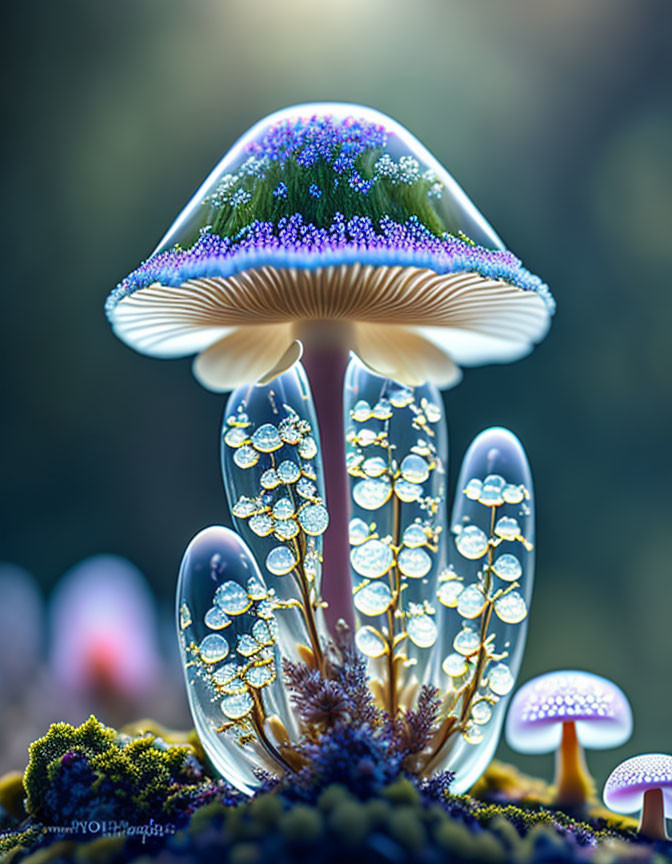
329, 228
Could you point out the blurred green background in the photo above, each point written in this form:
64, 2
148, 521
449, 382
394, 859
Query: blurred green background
556, 118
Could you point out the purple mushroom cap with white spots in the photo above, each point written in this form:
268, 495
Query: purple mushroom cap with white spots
598, 708
628, 783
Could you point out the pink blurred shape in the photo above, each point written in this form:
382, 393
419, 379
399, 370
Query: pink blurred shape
104, 630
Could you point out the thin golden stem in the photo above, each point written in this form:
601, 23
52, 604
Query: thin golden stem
258, 719
391, 614
471, 689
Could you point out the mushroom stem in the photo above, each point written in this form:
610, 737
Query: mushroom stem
573, 784
325, 364
652, 820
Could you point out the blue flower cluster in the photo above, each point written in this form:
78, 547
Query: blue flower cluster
319, 137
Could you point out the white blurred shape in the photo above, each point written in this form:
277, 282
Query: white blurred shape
21, 627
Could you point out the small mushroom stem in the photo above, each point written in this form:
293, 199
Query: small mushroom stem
652, 820
325, 362
573, 783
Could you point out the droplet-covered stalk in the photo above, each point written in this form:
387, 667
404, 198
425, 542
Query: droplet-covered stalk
396, 461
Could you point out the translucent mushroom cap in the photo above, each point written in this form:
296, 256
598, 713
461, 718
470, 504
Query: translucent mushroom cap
598, 708
336, 214
626, 785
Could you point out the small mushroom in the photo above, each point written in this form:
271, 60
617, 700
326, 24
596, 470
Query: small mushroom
566, 711
643, 783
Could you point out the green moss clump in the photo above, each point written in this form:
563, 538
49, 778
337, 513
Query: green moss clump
91, 772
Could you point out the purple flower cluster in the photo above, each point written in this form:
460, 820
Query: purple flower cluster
319, 137
292, 242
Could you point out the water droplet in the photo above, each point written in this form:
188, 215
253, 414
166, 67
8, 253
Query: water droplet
261, 630
352, 462
314, 519
432, 412
358, 532
265, 609
312, 565
185, 617
414, 563
269, 479
374, 467
236, 707
491, 491
236, 437
366, 437
370, 643
406, 491
373, 599
471, 601
283, 508
372, 494
267, 438
308, 447
467, 641
247, 646
288, 471
513, 494
244, 507
308, 470
361, 411
382, 410
511, 608
306, 488
262, 525
225, 674
472, 542
481, 712
286, 529
414, 536
213, 648
473, 489
256, 589
216, 619
280, 561
473, 734
449, 592
289, 430
401, 398
372, 559
422, 630
246, 456
235, 685
507, 528
508, 568
500, 679
454, 665
260, 676
414, 468
232, 598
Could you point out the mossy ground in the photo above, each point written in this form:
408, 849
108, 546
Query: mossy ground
92, 795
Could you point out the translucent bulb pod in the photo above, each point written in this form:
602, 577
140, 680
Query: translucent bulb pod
227, 634
274, 482
484, 596
440, 604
